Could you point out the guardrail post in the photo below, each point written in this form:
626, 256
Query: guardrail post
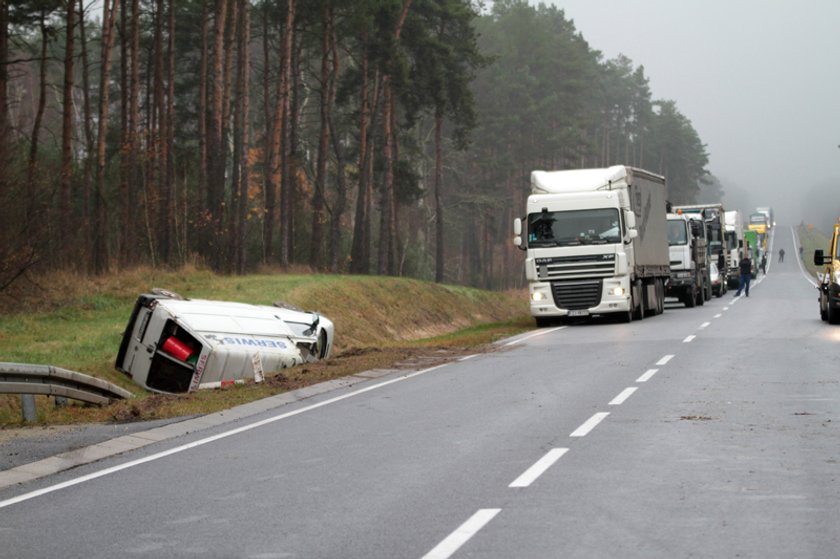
27, 404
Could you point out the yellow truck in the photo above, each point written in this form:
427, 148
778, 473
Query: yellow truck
829, 286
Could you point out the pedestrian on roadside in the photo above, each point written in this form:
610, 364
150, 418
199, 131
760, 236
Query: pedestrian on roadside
781, 255
764, 263
745, 267
800, 252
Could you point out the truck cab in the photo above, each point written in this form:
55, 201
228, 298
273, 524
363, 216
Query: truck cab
687, 247
829, 286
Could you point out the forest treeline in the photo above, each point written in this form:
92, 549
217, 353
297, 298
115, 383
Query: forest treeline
366, 136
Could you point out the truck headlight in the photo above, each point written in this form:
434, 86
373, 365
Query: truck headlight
538, 296
619, 291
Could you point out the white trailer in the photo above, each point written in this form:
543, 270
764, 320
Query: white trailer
176, 345
596, 243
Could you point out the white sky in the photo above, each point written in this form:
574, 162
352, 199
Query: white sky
759, 80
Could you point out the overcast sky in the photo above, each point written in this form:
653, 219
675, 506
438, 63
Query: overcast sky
759, 80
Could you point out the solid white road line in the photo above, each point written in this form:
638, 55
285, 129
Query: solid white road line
648, 374
462, 534
665, 360
590, 424
689, 338
201, 442
626, 393
534, 335
539, 467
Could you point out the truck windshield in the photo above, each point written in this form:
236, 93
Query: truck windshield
677, 233
574, 227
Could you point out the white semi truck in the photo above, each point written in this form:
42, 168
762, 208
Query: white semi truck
596, 243
689, 255
734, 237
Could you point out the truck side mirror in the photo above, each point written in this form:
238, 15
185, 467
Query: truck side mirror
630, 220
631, 234
517, 230
819, 258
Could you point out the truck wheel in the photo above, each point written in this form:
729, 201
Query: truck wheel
542, 321
690, 297
639, 313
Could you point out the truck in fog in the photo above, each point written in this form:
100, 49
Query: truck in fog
595, 242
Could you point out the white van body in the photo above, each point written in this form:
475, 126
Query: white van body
175, 345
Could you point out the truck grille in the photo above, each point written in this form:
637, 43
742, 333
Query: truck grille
576, 267
576, 295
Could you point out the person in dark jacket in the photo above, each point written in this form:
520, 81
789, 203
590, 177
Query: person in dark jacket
764, 263
745, 267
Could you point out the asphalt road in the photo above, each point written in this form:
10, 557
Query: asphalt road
706, 432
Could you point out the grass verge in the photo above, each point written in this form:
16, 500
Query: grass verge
381, 322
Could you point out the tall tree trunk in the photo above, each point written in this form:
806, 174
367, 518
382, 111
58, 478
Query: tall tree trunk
170, 137
39, 113
100, 223
340, 203
4, 83
270, 145
439, 244
245, 133
124, 230
215, 167
238, 155
316, 248
163, 220
202, 110
66, 181
90, 137
286, 186
387, 230
360, 251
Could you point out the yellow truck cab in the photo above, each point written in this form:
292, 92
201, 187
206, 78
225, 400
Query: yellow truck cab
829, 285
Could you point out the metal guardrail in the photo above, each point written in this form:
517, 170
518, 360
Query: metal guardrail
20, 378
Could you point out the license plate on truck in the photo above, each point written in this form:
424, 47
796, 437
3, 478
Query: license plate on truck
578, 313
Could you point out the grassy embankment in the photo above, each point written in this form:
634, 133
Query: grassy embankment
77, 323
811, 239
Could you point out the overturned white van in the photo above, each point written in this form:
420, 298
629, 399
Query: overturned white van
176, 345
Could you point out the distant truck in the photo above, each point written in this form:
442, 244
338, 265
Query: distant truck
768, 212
689, 257
714, 217
829, 286
175, 345
734, 238
596, 243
